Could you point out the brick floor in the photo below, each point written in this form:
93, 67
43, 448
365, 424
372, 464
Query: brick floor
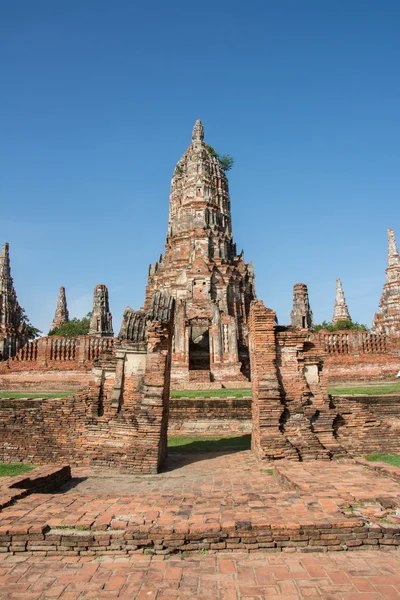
366, 575
224, 497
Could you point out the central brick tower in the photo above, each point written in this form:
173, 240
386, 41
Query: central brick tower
201, 269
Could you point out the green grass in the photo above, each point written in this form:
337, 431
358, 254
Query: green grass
9, 470
185, 444
13, 394
365, 390
390, 459
220, 393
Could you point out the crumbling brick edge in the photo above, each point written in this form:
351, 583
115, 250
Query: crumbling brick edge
40, 480
340, 535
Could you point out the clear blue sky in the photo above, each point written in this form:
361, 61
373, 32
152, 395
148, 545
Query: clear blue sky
97, 104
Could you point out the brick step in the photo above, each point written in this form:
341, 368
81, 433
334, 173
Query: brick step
341, 535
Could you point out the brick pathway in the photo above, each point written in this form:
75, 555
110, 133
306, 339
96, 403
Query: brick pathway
367, 575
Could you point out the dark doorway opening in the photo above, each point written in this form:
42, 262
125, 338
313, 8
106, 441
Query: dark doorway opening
199, 350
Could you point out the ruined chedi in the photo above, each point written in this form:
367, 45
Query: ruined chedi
301, 315
13, 332
387, 321
340, 310
100, 318
61, 315
201, 269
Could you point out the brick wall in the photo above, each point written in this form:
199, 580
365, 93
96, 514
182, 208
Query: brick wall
290, 412
367, 424
59, 353
358, 355
53, 363
209, 416
119, 420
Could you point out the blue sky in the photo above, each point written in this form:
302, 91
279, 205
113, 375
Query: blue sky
98, 100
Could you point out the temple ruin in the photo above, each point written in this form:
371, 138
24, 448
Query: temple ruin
13, 331
201, 269
340, 310
387, 321
301, 315
101, 318
61, 315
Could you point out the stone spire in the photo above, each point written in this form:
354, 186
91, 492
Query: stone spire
198, 134
387, 321
61, 315
12, 327
393, 253
301, 315
101, 319
340, 311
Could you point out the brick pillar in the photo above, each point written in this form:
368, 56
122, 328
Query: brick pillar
267, 440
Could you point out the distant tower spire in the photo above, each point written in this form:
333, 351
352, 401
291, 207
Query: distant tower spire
340, 311
12, 326
387, 320
301, 315
61, 315
393, 253
101, 319
198, 133
5, 271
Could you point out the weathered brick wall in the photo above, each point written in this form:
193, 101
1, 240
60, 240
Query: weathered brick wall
53, 363
291, 413
367, 424
358, 355
45, 381
111, 423
209, 416
365, 367
59, 353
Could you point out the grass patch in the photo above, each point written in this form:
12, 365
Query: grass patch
390, 459
221, 393
16, 395
184, 444
370, 390
9, 470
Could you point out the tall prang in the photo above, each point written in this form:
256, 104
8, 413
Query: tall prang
101, 319
387, 321
13, 334
201, 269
61, 315
340, 310
301, 315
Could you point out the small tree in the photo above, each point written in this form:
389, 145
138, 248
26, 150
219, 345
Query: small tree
32, 332
225, 160
73, 328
